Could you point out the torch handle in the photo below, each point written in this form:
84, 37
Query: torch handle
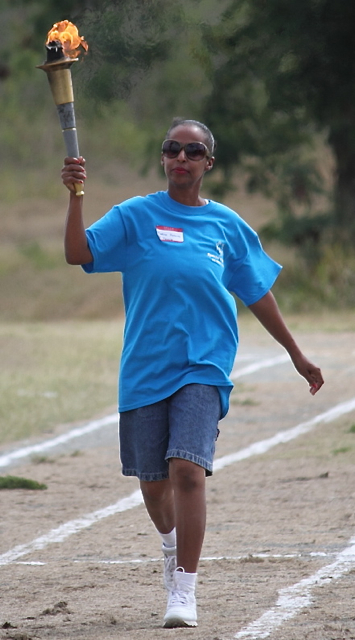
67, 120
72, 147
78, 189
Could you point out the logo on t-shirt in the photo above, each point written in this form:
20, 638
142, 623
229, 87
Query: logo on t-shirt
169, 234
218, 257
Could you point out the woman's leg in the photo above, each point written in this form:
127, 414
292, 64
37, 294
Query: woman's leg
180, 502
188, 482
159, 501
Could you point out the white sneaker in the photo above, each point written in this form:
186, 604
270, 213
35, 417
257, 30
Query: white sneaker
169, 566
181, 609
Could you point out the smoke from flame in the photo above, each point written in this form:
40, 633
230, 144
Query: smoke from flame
67, 33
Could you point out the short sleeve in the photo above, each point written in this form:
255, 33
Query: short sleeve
251, 272
108, 243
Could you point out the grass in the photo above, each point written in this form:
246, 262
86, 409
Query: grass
341, 450
333, 440
55, 373
16, 482
36, 284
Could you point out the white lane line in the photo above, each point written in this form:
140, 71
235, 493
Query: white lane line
293, 599
6, 459
250, 557
135, 499
262, 364
24, 452
73, 526
284, 436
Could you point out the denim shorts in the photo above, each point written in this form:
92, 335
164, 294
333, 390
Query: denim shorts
184, 425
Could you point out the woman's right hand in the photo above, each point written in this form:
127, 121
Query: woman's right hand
73, 172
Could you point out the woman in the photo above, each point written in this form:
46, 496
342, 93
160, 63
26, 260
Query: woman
180, 255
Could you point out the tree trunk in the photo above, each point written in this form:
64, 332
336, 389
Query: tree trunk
342, 141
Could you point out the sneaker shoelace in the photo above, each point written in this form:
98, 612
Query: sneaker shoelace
169, 568
178, 598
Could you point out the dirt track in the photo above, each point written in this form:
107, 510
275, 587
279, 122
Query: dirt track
273, 520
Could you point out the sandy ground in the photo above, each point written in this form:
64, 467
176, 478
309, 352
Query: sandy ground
273, 520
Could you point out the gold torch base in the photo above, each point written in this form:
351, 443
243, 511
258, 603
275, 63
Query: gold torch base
59, 78
60, 82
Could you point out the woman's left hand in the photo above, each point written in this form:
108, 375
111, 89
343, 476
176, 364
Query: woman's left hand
267, 312
309, 371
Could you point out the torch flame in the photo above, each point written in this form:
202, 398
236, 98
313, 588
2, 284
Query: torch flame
67, 33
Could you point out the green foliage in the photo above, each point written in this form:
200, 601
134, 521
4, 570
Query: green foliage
16, 482
41, 459
126, 37
27, 22
341, 450
281, 72
273, 80
304, 232
328, 281
37, 256
142, 68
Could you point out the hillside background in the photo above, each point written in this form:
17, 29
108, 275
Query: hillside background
145, 66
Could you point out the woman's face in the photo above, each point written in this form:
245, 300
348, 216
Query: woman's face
182, 171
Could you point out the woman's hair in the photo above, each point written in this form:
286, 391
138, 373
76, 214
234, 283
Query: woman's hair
210, 141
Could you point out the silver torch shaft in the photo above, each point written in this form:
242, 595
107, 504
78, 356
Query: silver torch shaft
57, 67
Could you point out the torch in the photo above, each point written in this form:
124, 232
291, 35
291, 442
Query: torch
63, 46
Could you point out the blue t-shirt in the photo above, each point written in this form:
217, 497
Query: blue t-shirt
179, 265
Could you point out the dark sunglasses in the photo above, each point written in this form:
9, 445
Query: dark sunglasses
193, 150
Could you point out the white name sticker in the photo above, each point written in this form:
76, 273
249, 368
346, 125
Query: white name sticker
169, 234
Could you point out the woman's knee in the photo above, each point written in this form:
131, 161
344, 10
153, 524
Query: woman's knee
185, 475
156, 491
